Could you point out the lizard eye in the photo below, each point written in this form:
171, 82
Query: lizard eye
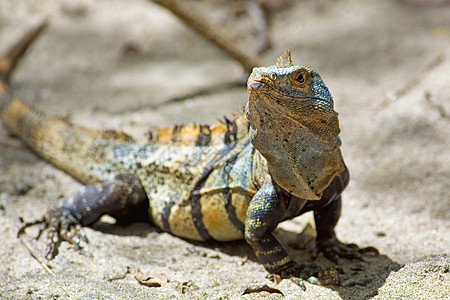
273, 76
300, 78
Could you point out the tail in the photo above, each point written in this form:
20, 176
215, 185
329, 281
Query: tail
67, 146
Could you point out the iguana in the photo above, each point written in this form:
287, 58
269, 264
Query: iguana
235, 180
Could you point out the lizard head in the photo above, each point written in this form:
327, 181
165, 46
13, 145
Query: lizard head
295, 92
293, 124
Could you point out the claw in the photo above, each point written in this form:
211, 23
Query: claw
335, 249
312, 273
74, 235
369, 249
60, 226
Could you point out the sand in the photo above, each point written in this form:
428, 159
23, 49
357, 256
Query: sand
121, 64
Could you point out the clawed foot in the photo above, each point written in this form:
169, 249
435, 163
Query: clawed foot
312, 273
334, 249
60, 226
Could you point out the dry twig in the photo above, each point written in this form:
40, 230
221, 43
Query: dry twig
214, 33
34, 251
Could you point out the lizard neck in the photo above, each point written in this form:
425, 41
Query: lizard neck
301, 159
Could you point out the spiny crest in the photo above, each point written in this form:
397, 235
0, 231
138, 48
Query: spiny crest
284, 60
227, 131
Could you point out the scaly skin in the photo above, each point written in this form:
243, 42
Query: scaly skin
234, 180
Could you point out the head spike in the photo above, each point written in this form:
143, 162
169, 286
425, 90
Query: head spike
284, 60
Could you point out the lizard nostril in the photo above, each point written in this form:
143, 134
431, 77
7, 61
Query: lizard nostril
254, 85
255, 81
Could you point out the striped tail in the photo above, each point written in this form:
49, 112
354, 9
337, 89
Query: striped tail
67, 146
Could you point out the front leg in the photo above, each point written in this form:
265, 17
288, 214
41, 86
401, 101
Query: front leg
326, 218
264, 213
123, 198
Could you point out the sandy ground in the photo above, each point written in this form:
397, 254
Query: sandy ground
387, 64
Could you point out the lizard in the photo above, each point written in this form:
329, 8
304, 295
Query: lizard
234, 180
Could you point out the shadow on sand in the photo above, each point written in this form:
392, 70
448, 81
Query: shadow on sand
359, 279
